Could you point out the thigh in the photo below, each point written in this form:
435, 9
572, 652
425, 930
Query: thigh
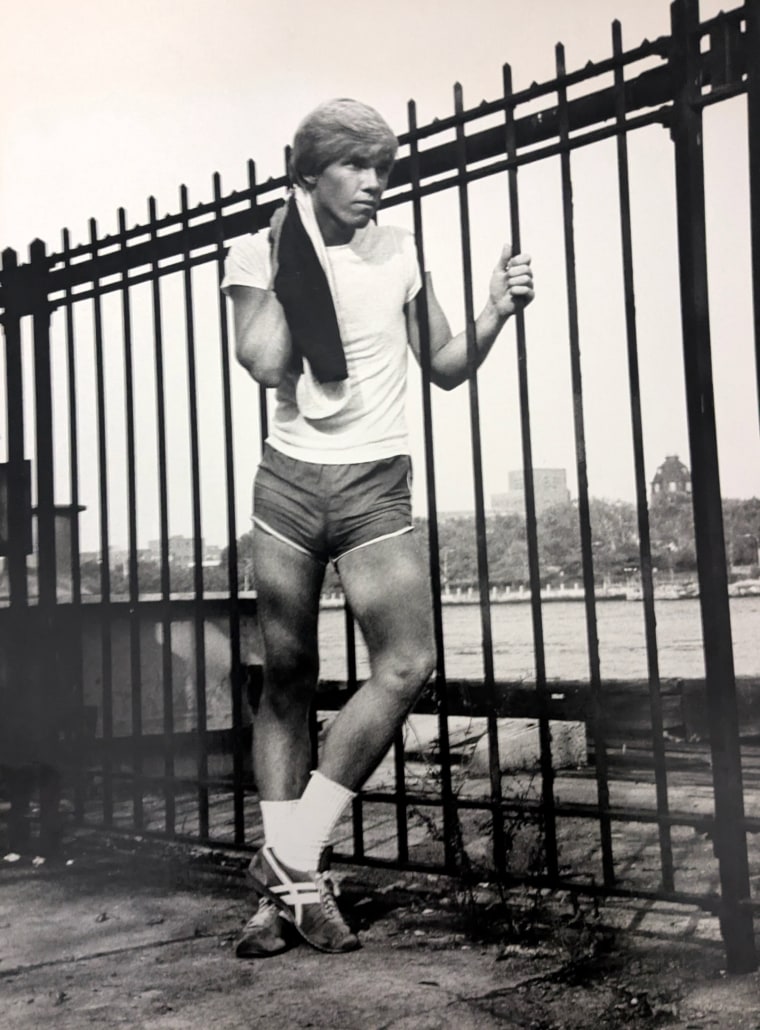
288, 584
387, 586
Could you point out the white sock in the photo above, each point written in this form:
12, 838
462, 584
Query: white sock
277, 817
319, 809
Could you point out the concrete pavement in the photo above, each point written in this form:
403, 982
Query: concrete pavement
131, 936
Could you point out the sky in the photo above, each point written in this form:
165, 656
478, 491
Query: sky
105, 104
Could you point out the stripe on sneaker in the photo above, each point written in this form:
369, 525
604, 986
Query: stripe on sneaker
296, 894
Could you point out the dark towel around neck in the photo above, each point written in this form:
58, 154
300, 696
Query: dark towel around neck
304, 292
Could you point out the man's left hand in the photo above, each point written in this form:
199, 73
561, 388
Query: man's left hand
511, 283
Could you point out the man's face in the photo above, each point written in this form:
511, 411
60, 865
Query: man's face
346, 195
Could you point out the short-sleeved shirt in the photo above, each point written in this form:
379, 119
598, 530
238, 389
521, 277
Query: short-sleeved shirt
375, 276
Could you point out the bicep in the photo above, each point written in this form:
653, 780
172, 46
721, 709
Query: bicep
257, 314
248, 302
262, 340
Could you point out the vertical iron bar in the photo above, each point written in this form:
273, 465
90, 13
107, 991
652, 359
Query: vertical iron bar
352, 680
647, 582
352, 684
730, 832
357, 822
499, 836
314, 736
450, 818
77, 657
20, 633
103, 521
166, 618
752, 10
135, 650
236, 671
600, 751
531, 527
402, 824
263, 415
195, 473
19, 517
52, 686
75, 571
263, 411
46, 568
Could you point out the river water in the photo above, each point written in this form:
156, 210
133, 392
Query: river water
620, 625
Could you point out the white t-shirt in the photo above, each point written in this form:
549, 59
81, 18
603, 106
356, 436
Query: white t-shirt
375, 275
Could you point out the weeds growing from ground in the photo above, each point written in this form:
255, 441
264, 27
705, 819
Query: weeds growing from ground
492, 896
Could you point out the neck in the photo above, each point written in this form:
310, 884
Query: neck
334, 233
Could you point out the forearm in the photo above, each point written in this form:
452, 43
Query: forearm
450, 365
262, 340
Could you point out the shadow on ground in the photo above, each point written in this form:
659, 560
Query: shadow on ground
131, 934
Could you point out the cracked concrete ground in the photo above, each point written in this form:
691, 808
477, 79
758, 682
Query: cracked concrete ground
121, 938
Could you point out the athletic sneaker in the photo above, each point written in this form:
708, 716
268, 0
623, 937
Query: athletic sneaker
306, 900
265, 933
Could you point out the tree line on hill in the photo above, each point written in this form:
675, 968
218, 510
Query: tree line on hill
614, 536
615, 543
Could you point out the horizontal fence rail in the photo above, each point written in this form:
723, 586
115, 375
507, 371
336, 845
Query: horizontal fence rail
647, 97
121, 397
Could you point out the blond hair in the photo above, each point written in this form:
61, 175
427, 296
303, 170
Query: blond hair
335, 130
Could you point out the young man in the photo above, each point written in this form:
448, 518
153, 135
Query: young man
325, 306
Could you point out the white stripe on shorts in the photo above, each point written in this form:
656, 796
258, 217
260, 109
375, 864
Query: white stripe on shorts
376, 540
279, 536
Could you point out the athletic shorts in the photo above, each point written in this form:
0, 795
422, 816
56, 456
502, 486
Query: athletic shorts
326, 511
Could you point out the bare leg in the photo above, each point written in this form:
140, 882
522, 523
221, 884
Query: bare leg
387, 586
288, 585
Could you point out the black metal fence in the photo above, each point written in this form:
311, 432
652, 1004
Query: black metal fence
120, 398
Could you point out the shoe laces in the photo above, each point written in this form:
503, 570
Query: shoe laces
328, 891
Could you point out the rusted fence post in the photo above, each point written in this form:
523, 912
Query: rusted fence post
16, 544
730, 833
18, 514
31, 701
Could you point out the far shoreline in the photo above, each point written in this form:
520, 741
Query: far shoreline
666, 592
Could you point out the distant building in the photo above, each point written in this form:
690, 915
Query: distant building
212, 555
672, 481
118, 557
181, 550
549, 487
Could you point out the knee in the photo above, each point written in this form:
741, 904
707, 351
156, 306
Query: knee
406, 674
288, 687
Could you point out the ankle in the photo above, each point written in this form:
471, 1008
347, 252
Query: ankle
315, 818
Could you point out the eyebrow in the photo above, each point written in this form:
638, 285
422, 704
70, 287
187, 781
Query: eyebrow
370, 158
